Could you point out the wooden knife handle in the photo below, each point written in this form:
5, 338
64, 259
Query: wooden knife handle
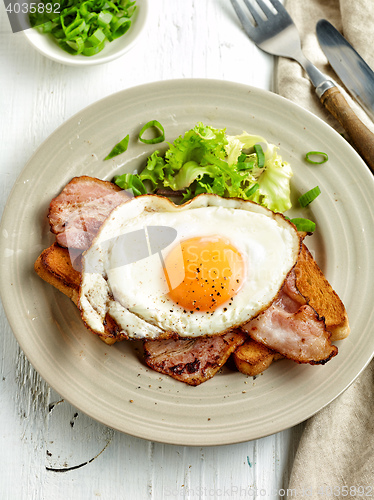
361, 137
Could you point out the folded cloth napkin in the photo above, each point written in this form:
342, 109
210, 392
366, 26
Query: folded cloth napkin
335, 455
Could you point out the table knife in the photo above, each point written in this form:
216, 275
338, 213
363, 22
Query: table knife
352, 70
333, 100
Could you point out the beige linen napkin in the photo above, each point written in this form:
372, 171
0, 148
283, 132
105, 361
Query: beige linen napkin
335, 458
355, 20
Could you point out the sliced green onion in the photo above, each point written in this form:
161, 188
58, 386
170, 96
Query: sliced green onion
91, 51
84, 26
245, 165
121, 27
252, 190
309, 196
304, 225
260, 155
119, 148
104, 19
75, 28
155, 140
97, 37
77, 46
316, 153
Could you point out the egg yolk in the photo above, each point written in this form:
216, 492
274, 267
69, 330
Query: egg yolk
210, 273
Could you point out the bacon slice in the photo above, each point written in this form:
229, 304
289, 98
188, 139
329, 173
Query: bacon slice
192, 361
293, 328
76, 214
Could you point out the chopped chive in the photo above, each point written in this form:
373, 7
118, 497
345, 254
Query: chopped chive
316, 153
155, 140
260, 155
118, 148
309, 196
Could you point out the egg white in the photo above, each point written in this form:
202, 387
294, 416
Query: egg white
135, 294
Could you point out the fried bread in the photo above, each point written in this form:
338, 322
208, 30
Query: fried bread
252, 358
311, 282
55, 267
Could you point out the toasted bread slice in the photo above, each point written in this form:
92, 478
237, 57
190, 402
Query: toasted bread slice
54, 266
253, 358
311, 282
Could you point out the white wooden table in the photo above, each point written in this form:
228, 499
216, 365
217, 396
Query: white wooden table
49, 449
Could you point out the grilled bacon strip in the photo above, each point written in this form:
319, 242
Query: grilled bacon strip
293, 328
192, 361
76, 214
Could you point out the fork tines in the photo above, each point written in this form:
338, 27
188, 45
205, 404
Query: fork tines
256, 12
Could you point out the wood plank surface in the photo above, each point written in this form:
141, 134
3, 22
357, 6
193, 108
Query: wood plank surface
49, 449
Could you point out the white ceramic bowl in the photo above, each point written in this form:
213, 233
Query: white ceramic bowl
47, 46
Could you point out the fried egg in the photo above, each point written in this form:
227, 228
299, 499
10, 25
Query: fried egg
197, 269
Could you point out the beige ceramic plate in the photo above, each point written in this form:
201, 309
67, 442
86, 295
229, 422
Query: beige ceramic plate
111, 384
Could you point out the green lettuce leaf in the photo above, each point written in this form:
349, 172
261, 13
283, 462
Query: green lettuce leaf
274, 187
206, 160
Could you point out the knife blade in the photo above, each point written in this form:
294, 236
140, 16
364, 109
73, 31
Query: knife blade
352, 70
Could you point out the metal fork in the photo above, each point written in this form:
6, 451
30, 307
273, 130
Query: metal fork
275, 33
